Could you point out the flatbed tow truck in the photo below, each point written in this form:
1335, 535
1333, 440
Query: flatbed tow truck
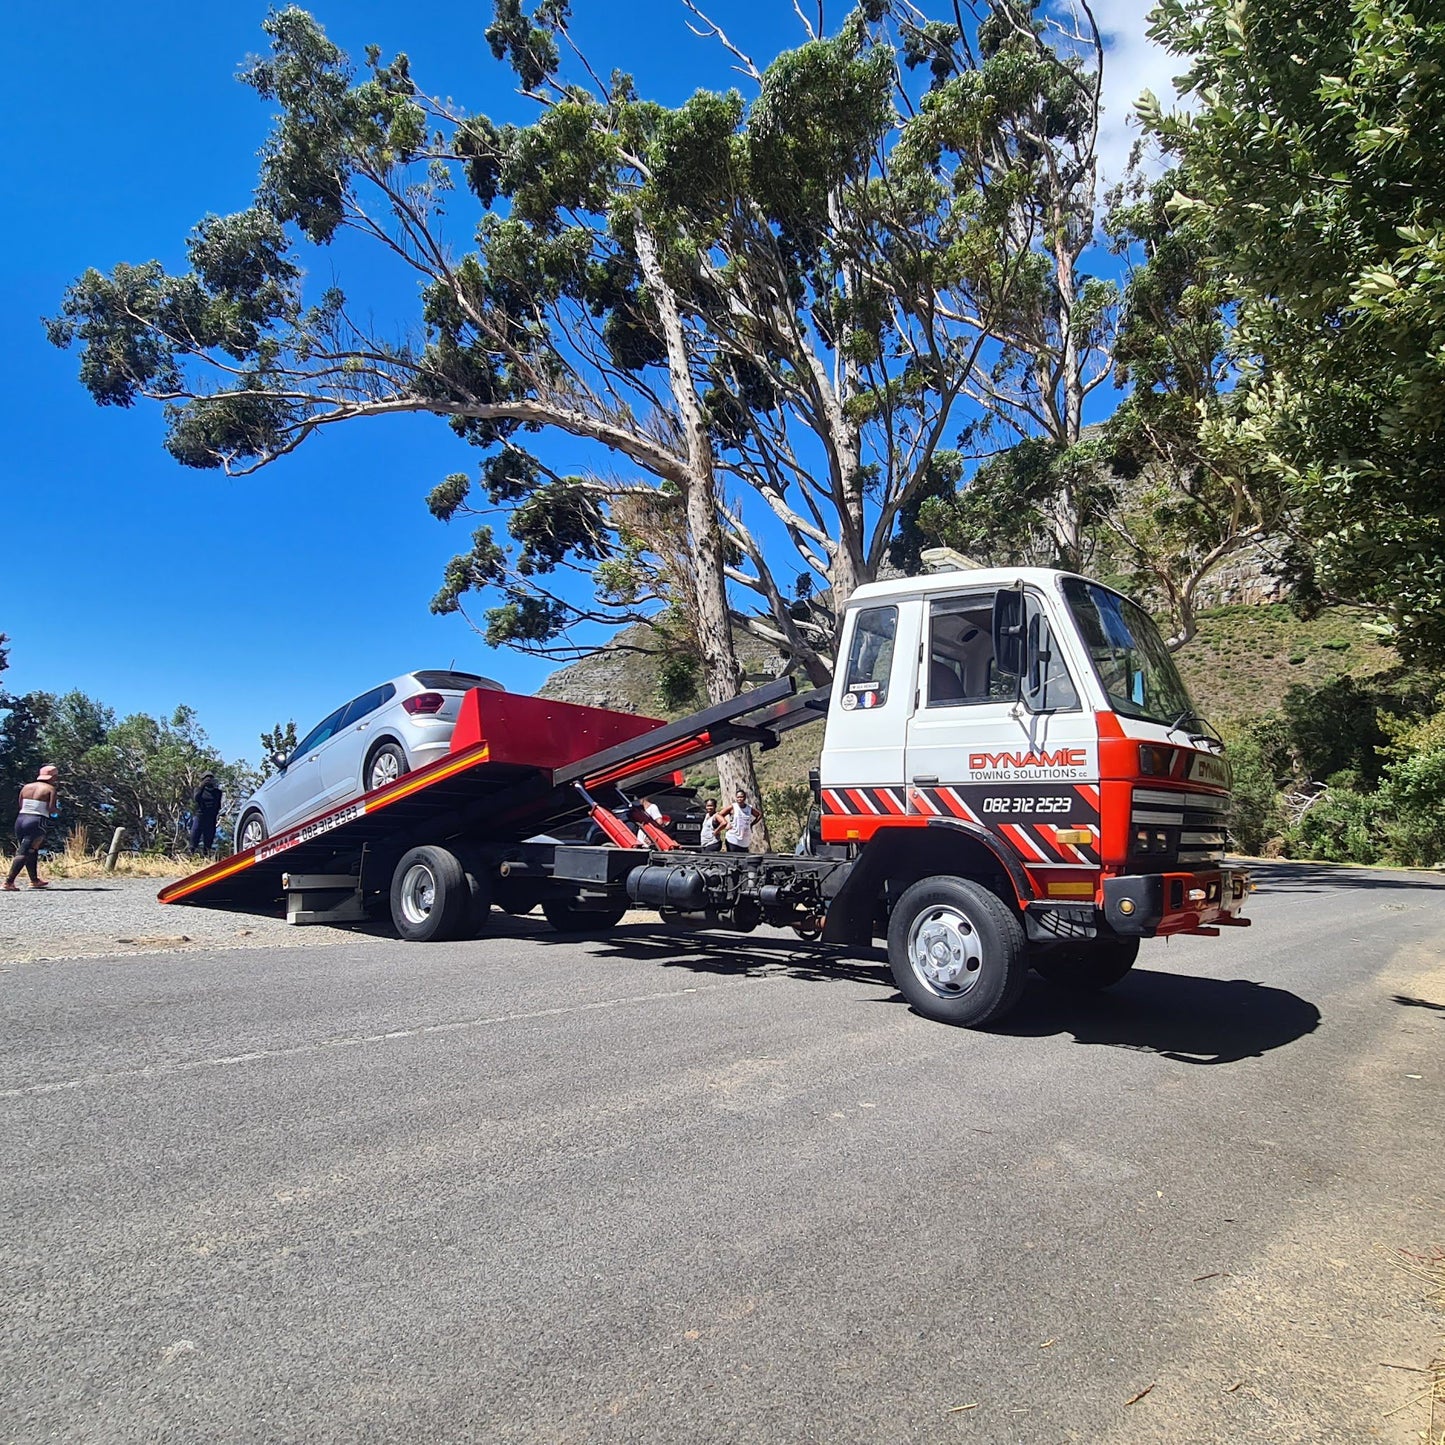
1012, 777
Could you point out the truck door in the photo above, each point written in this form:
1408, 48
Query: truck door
986, 745
867, 722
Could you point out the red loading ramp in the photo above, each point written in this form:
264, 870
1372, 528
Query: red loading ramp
537, 732
505, 751
515, 781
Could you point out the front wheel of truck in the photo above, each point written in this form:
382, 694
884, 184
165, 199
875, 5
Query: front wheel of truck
957, 952
1088, 965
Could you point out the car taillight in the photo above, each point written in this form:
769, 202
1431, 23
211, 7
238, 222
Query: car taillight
424, 702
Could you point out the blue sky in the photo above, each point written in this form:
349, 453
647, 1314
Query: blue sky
147, 584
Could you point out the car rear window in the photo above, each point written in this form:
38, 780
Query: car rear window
452, 681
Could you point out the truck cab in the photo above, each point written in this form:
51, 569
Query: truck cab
1036, 718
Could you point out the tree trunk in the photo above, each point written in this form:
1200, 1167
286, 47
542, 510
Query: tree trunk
722, 672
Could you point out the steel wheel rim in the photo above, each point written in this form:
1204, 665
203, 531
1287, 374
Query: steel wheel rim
418, 893
385, 770
945, 951
252, 833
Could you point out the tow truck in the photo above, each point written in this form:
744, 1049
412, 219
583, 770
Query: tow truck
1012, 777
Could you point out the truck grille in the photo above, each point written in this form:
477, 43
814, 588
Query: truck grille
1199, 821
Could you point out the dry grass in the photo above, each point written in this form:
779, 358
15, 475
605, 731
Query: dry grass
77, 859
1429, 1269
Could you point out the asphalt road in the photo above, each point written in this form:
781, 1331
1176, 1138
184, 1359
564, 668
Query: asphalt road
708, 1188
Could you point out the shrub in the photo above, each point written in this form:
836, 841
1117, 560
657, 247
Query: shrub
785, 809
1335, 727
1254, 754
1412, 802
1341, 827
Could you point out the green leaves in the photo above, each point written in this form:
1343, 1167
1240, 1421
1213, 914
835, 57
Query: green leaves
1307, 166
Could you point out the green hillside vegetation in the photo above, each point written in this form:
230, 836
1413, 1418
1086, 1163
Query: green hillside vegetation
1245, 659
1338, 746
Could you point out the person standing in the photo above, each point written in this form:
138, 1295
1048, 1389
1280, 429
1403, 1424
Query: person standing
740, 816
644, 809
709, 837
38, 804
205, 809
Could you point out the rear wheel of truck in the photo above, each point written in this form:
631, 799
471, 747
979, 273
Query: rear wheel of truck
1088, 965
957, 952
430, 899
480, 893
567, 917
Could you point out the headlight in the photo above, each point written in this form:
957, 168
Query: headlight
1154, 761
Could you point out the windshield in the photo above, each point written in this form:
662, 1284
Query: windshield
1134, 666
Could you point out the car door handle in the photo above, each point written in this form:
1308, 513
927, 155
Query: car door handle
926, 780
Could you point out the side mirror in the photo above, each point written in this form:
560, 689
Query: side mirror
279, 761
1010, 633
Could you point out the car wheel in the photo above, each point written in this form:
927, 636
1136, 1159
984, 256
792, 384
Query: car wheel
430, 898
385, 766
251, 833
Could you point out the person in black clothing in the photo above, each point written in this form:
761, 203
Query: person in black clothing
205, 809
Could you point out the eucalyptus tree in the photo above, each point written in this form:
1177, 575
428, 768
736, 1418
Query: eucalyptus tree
780, 310
559, 315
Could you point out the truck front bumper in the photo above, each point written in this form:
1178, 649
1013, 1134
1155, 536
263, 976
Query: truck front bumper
1151, 905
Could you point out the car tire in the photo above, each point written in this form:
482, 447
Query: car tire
254, 825
567, 917
1088, 965
430, 898
957, 952
385, 765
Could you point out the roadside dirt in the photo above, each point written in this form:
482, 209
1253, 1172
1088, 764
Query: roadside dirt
115, 918
1328, 1334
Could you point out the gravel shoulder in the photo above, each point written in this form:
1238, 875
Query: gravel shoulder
120, 917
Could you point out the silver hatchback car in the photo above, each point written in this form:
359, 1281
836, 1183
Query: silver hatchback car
370, 742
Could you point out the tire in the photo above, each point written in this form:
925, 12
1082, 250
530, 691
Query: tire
957, 952
384, 766
1087, 966
430, 899
567, 917
254, 825
480, 893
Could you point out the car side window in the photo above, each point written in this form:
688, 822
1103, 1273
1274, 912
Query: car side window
961, 668
318, 735
367, 703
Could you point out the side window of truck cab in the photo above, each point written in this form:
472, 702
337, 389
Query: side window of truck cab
960, 657
870, 659
961, 669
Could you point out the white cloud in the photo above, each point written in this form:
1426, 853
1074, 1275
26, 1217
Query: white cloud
1132, 64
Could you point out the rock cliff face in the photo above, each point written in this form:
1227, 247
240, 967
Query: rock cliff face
624, 676
1248, 580
617, 676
